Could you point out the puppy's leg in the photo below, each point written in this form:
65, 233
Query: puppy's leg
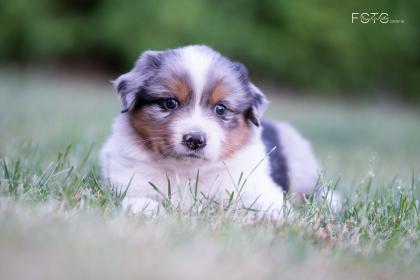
266, 197
304, 169
141, 205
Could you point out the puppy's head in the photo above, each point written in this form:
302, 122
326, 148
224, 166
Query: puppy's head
190, 103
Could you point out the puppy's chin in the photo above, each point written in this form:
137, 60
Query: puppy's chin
195, 157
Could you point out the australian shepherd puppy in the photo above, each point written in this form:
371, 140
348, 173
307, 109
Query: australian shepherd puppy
193, 117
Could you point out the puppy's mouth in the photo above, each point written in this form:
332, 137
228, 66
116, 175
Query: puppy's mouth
193, 155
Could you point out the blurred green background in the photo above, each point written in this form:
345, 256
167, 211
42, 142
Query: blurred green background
300, 44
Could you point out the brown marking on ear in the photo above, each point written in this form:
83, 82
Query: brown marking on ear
218, 93
180, 88
235, 139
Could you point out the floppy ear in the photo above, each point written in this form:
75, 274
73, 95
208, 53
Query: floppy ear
125, 91
259, 103
258, 100
128, 85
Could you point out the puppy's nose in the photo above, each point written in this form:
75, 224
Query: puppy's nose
194, 140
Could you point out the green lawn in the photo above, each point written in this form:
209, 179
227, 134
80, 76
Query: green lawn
58, 222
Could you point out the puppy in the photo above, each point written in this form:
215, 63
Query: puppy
192, 117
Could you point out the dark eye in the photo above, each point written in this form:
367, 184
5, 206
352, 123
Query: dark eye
170, 103
220, 109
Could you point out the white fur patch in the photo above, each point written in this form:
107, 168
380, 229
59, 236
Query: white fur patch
303, 167
197, 60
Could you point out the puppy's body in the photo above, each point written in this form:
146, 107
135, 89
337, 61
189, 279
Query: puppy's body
189, 110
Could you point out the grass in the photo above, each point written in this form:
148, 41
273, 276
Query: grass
58, 221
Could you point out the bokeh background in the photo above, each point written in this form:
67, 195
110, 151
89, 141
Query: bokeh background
353, 89
310, 44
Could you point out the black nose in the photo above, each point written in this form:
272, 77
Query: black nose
194, 140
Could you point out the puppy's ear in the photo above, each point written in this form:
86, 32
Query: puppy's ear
125, 91
128, 85
258, 100
259, 103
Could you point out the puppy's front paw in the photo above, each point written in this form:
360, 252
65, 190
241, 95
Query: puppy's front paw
140, 205
271, 207
275, 212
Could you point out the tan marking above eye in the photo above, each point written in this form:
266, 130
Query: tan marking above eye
218, 94
180, 88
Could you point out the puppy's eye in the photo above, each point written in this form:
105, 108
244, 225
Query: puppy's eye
220, 109
170, 103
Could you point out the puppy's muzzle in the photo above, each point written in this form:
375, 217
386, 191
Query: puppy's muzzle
194, 140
